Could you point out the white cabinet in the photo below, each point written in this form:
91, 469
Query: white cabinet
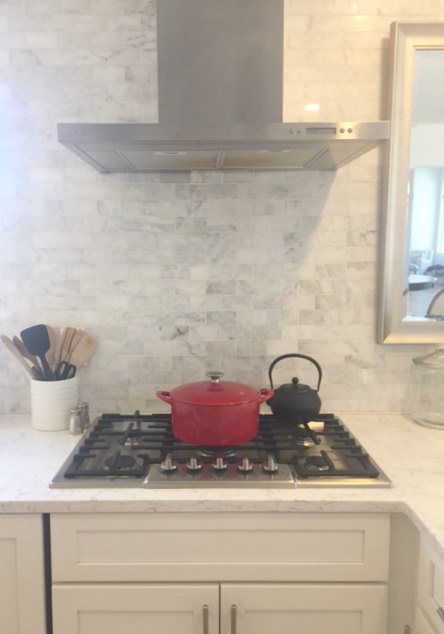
220, 573
22, 595
430, 608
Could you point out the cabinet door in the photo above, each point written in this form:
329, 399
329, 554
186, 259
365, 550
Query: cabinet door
22, 594
136, 609
431, 585
305, 609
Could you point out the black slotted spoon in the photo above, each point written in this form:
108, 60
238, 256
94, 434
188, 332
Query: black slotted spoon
36, 340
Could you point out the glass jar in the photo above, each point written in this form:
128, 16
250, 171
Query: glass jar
427, 389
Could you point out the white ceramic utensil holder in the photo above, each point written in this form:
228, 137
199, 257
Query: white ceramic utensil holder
51, 402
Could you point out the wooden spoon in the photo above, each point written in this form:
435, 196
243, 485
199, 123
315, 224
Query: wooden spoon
67, 335
53, 337
17, 354
78, 335
24, 352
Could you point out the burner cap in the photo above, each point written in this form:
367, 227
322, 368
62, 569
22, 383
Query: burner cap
316, 463
120, 463
214, 452
134, 441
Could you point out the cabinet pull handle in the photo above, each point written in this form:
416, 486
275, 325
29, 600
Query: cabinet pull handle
205, 619
233, 619
440, 613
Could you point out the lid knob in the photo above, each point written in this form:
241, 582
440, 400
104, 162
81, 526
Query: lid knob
215, 376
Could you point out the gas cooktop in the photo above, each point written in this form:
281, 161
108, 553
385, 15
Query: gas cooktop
140, 451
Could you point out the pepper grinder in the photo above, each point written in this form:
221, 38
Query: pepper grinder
427, 389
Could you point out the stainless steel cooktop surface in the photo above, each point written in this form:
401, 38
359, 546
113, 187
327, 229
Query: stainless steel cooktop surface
140, 450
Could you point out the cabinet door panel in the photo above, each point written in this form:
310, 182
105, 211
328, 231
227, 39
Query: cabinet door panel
431, 585
158, 547
305, 609
163, 609
22, 594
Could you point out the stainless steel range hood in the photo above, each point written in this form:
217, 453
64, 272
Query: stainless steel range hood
220, 84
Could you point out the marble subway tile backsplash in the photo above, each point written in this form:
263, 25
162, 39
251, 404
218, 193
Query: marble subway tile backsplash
177, 274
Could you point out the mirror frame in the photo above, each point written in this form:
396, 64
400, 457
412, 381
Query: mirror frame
393, 328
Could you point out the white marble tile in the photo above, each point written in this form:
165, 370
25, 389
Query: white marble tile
272, 261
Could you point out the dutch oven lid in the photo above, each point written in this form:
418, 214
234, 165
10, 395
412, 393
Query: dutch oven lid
215, 392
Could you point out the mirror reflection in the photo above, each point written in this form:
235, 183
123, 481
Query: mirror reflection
411, 283
426, 187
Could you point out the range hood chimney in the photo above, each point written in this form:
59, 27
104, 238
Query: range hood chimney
220, 81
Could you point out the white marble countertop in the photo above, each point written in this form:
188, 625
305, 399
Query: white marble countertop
412, 456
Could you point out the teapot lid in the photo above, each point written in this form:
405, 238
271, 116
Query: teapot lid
297, 386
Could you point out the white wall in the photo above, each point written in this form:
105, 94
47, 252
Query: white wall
177, 274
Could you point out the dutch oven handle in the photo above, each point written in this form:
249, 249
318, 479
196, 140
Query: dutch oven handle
265, 394
300, 356
164, 396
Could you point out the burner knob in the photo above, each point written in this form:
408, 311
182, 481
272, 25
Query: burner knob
168, 466
245, 466
271, 465
219, 465
194, 465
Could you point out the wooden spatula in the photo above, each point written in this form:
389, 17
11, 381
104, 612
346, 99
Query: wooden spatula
83, 351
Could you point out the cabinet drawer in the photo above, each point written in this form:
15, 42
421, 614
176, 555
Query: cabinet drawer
431, 585
222, 546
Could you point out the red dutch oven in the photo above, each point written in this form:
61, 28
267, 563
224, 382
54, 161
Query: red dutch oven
215, 413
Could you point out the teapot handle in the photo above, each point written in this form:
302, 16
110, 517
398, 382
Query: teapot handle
301, 356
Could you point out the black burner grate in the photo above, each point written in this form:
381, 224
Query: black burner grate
125, 446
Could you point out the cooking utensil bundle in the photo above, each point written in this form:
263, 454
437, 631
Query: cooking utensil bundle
49, 354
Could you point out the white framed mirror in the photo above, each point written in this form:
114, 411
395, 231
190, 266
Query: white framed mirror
411, 281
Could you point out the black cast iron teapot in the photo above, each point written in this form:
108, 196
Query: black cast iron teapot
295, 402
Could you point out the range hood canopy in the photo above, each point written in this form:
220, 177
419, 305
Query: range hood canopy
220, 86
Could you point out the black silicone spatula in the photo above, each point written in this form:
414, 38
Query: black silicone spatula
37, 342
